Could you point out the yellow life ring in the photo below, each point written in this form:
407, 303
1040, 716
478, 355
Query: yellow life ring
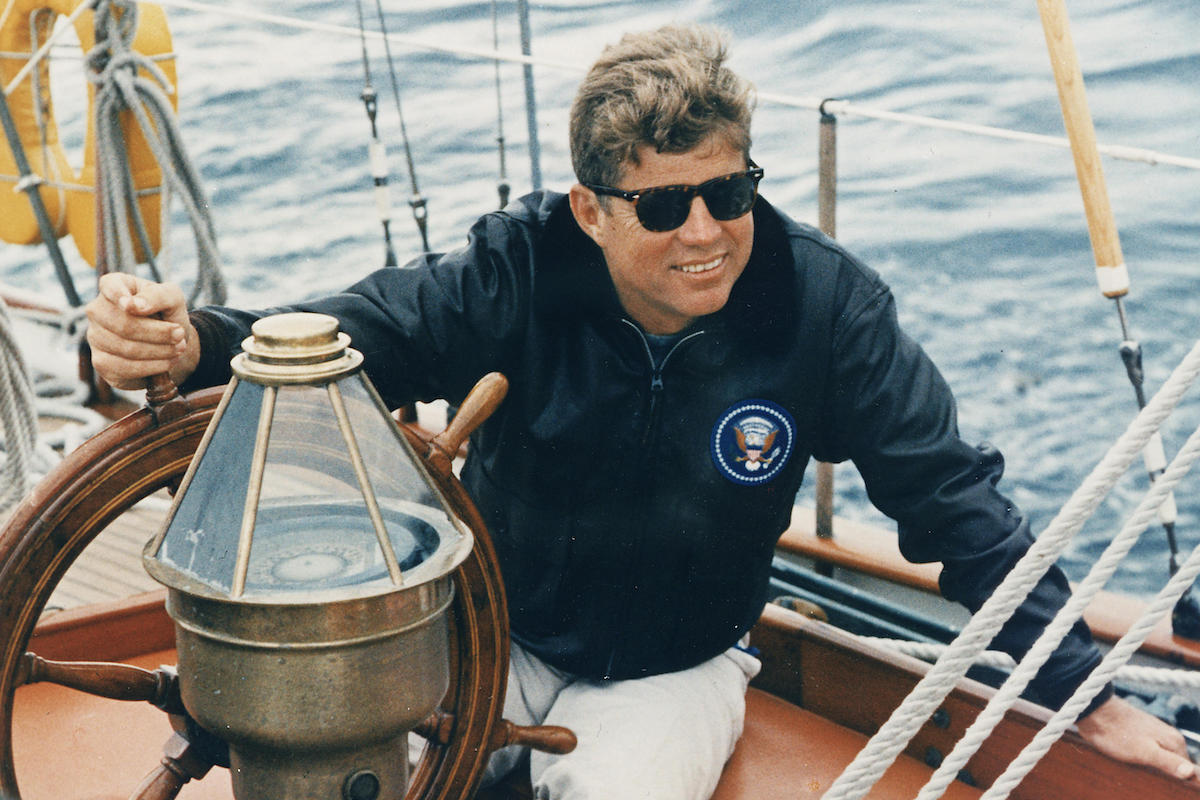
71, 209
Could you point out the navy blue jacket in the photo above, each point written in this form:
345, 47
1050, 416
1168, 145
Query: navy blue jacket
634, 508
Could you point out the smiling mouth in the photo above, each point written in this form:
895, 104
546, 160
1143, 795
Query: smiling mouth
693, 269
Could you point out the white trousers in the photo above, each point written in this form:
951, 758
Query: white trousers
664, 737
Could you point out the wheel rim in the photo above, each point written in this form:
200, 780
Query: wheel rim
139, 455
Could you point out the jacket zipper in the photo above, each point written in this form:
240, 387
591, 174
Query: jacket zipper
656, 374
656, 388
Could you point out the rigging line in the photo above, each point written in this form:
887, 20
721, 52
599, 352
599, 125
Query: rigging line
1081, 595
1111, 271
883, 748
1114, 660
503, 187
845, 107
417, 202
43, 111
377, 153
1146, 677
1121, 152
342, 30
29, 183
78, 188
37, 57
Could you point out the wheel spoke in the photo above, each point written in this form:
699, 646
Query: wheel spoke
158, 687
146, 452
181, 762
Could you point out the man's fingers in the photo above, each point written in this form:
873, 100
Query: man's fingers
1126, 733
127, 374
140, 297
146, 339
138, 328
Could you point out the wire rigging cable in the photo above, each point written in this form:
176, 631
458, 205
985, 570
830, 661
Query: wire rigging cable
416, 201
503, 187
377, 153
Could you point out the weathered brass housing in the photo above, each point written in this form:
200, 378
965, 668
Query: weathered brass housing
308, 557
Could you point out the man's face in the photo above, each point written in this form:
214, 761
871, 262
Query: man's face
667, 279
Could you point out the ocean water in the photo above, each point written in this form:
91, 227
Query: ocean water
982, 240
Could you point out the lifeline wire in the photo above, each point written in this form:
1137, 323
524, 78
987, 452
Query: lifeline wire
1155, 678
836, 107
883, 748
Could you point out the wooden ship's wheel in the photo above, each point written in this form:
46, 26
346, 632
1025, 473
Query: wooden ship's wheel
150, 450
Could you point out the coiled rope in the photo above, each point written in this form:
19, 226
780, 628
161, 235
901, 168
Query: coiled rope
17, 417
26, 451
117, 72
883, 748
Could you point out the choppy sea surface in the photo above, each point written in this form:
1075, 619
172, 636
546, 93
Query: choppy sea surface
982, 240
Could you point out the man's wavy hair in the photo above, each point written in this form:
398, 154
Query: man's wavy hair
667, 89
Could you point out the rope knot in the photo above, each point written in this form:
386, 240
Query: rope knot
115, 25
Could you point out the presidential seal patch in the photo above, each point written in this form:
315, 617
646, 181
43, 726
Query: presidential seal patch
752, 441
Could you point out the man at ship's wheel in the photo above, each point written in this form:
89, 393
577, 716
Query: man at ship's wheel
678, 350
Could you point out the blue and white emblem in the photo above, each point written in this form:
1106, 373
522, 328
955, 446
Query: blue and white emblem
752, 441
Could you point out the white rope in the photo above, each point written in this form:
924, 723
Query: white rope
70, 52
75, 187
1162, 604
883, 748
1144, 677
1048, 641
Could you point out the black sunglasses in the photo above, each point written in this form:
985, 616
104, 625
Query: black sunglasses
665, 208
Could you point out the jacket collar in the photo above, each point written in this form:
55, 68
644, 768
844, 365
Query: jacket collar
571, 277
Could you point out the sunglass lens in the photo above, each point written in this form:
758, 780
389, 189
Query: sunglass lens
730, 199
664, 209
667, 208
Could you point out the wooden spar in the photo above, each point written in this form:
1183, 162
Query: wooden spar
1072, 96
1111, 272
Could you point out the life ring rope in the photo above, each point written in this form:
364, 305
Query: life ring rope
143, 92
132, 136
